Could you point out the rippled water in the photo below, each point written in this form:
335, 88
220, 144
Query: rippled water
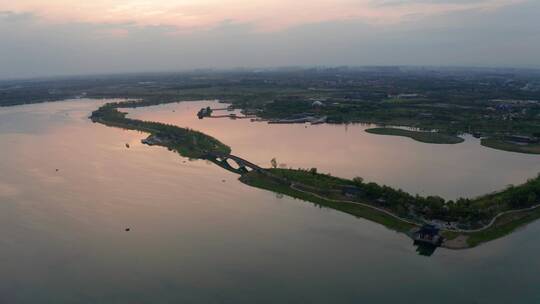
199, 236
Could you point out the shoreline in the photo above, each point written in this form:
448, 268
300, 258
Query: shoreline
454, 239
419, 136
174, 138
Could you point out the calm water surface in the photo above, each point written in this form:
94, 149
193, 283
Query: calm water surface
199, 236
452, 171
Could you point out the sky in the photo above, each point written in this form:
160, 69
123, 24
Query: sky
63, 37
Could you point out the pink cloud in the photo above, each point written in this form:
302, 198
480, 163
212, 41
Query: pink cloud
263, 14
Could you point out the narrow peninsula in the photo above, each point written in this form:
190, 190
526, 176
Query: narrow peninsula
463, 223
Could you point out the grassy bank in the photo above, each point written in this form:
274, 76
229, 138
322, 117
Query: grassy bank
503, 226
262, 181
187, 142
425, 137
322, 192
500, 144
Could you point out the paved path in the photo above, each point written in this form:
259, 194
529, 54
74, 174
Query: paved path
491, 223
294, 187
494, 219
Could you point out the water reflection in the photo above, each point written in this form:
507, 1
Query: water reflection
452, 171
424, 249
197, 239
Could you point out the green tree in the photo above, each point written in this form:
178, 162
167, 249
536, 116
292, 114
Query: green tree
532, 199
273, 162
358, 180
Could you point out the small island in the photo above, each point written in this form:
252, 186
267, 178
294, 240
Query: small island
489, 104
421, 136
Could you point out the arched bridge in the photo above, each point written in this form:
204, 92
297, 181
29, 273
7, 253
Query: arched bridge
233, 163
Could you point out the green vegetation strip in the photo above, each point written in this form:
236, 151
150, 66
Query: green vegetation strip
187, 142
320, 189
421, 136
500, 144
503, 226
262, 181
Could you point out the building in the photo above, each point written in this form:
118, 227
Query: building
350, 191
428, 234
204, 112
317, 103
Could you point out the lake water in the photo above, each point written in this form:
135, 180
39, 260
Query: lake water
199, 236
451, 171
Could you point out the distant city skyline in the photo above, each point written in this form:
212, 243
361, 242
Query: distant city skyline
63, 37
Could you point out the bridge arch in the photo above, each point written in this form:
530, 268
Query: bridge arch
233, 163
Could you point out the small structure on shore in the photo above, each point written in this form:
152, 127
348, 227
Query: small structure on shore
204, 112
300, 118
428, 234
317, 104
351, 191
153, 140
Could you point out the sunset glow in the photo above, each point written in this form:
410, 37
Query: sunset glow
74, 36
262, 15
